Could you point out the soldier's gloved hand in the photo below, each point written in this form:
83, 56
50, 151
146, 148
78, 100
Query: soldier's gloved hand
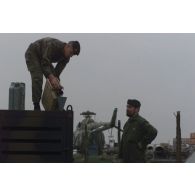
54, 82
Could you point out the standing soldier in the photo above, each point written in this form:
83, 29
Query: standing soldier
39, 58
138, 133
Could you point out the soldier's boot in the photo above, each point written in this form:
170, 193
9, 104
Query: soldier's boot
37, 107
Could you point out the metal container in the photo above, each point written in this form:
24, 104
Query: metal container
17, 96
51, 99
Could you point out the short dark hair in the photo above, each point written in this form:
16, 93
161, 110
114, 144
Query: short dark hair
76, 47
133, 102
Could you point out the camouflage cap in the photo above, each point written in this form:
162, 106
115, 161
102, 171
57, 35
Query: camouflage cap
133, 102
76, 47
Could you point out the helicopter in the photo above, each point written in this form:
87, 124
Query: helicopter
89, 133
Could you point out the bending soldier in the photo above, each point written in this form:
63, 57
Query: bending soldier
39, 58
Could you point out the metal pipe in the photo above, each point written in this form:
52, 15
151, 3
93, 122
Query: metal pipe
178, 138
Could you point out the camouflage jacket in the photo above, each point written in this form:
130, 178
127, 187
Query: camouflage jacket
48, 51
138, 133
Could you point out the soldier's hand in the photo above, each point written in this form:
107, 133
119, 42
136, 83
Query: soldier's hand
54, 82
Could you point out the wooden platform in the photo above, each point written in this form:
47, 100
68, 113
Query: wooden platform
36, 137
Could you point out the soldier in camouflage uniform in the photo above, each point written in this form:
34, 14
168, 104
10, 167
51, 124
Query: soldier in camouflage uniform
39, 58
138, 133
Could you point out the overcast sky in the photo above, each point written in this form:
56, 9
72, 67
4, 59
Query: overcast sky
157, 69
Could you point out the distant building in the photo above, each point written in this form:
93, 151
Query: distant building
192, 139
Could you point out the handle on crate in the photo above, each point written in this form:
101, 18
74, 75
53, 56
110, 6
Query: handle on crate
69, 107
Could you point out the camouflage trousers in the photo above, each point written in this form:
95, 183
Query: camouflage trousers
33, 63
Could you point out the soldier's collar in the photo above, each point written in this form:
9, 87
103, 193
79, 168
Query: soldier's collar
134, 117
